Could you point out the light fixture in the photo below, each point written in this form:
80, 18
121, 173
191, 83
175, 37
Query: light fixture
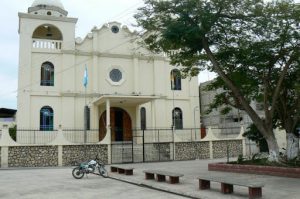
49, 32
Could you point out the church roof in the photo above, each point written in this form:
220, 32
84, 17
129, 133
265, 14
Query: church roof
55, 3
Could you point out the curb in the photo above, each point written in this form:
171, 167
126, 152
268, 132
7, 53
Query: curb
140, 184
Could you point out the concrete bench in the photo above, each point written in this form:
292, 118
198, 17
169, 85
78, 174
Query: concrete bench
255, 188
161, 176
122, 170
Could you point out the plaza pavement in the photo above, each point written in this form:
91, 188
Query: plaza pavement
59, 183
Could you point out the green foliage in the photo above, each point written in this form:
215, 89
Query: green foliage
251, 44
253, 134
13, 132
240, 159
257, 160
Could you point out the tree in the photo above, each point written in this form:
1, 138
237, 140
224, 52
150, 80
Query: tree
288, 110
246, 42
13, 132
253, 134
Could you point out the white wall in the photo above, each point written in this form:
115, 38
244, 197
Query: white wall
100, 51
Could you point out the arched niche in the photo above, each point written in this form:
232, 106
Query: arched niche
47, 31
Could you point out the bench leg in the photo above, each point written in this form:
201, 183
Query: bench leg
174, 180
204, 184
121, 171
226, 188
129, 172
161, 178
149, 176
113, 169
255, 192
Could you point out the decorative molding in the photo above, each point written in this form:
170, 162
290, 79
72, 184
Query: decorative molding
49, 18
111, 55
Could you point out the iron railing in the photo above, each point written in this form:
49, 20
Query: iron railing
25, 136
78, 135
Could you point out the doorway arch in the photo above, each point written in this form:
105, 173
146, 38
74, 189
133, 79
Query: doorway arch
120, 121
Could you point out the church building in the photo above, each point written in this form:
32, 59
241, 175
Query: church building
123, 85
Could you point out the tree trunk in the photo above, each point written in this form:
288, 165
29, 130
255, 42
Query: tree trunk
292, 146
273, 148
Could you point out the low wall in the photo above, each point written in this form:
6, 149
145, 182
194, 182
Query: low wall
192, 150
235, 148
61, 152
33, 156
254, 169
79, 153
158, 152
48, 156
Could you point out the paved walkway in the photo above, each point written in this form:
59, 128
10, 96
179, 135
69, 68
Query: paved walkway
59, 183
275, 187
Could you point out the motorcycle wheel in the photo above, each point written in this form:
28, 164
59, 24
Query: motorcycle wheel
103, 172
77, 173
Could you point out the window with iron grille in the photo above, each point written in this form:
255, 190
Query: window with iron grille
177, 118
175, 79
46, 118
47, 74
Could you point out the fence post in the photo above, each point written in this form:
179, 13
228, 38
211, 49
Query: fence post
243, 141
143, 145
60, 153
60, 148
4, 149
211, 150
158, 147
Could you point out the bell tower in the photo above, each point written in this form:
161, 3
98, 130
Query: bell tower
46, 38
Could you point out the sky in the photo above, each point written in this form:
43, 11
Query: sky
90, 13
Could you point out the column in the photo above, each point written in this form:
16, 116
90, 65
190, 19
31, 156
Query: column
107, 113
108, 130
94, 67
136, 75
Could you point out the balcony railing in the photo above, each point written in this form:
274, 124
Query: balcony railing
46, 44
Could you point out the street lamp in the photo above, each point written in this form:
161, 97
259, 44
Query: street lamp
195, 108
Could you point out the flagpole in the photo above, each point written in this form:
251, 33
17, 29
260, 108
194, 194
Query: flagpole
85, 81
85, 117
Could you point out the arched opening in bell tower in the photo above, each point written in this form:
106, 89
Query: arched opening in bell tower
47, 36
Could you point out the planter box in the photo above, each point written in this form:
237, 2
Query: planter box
262, 170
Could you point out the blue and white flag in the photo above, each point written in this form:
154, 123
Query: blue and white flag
85, 77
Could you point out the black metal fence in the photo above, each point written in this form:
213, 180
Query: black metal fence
145, 146
26, 136
151, 145
81, 136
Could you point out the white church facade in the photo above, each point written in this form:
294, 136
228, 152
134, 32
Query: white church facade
127, 86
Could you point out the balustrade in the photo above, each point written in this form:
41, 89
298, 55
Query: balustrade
47, 44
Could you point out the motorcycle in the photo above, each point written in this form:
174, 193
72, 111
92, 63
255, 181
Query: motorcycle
90, 167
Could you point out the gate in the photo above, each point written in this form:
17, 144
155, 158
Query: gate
151, 145
121, 152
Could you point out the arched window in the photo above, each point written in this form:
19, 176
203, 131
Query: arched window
175, 79
46, 118
143, 118
177, 118
47, 74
